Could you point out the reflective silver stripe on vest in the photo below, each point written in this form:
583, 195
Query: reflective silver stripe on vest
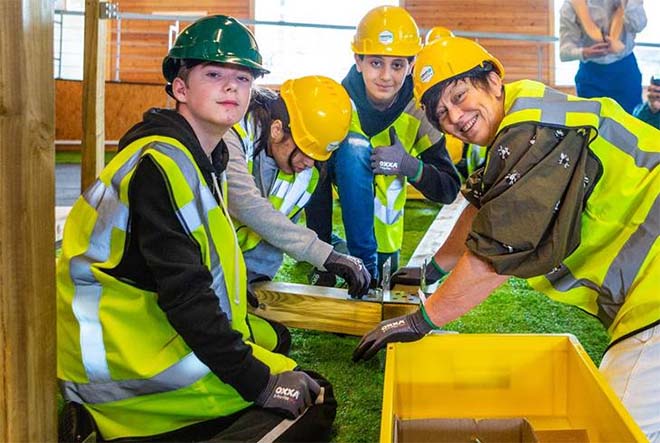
183, 373
622, 271
112, 213
87, 292
293, 194
386, 213
189, 217
202, 203
554, 106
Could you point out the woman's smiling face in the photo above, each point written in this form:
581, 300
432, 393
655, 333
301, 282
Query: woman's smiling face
471, 113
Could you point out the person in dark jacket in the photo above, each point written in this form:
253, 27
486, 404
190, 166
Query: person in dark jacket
390, 143
154, 338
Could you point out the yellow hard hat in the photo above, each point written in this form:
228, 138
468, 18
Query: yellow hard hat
320, 113
387, 30
454, 148
437, 32
448, 57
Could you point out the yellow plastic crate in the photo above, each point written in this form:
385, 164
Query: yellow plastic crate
547, 379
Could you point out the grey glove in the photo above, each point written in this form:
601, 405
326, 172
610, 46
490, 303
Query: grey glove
411, 276
289, 393
350, 269
406, 328
394, 160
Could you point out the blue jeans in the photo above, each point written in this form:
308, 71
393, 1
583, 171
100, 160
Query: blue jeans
350, 169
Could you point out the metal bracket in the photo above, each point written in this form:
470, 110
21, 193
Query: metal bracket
108, 10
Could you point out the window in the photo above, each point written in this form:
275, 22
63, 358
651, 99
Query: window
294, 51
69, 39
647, 57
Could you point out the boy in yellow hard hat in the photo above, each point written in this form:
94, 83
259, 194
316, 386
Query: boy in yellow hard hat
390, 143
569, 198
154, 339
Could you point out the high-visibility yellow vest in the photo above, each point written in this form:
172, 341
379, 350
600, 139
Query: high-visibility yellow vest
289, 193
117, 352
615, 271
390, 190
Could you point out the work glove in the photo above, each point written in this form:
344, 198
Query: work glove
322, 278
410, 275
350, 269
406, 328
394, 160
289, 393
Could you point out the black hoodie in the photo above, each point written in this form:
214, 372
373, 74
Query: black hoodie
159, 256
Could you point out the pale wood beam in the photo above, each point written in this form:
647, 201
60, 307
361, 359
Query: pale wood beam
93, 112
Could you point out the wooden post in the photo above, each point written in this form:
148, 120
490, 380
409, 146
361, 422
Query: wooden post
93, 113
27, 183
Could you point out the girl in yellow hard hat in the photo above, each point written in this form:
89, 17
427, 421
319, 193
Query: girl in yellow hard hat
275, 154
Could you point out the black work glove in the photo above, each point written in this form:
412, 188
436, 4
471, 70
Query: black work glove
350, 269
406, 328
411, 275
289, 393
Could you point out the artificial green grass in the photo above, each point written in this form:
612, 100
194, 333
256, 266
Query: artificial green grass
73, 157
512, 308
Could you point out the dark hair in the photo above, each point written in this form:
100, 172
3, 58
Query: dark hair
477, 76
265, 106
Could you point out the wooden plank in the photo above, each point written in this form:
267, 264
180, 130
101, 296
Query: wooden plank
27, 192
438, 231
93, 98
326, 309
316, 307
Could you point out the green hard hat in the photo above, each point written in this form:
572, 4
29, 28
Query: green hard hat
217, 38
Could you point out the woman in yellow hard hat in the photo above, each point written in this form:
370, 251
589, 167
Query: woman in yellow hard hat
275, 154
390, 143
569, 198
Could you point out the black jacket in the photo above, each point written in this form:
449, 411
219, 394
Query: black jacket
159, 256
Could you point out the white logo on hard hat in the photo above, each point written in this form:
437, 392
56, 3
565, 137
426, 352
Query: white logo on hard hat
426, 74
386, 37
332, 146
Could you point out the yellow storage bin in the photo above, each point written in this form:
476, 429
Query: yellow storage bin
547, 379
